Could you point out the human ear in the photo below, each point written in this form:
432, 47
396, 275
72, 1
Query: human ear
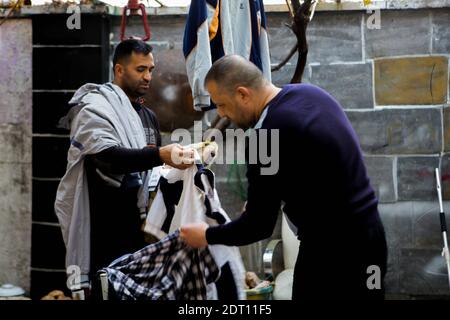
243, 93
118, 69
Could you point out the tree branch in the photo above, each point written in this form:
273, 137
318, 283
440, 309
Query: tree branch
289, 56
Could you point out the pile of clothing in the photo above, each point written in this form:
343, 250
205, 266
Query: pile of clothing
168, 269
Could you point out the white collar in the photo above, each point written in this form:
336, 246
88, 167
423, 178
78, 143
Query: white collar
261, 118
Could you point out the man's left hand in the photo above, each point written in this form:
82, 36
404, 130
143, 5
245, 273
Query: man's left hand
194, 234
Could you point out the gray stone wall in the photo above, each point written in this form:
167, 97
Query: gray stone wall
15, 155
393, 84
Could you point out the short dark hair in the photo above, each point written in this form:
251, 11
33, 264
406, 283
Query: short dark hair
127, 47
233, 71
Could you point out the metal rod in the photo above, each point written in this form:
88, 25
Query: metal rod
445, 251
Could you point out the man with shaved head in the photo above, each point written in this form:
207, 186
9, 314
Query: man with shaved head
321, 182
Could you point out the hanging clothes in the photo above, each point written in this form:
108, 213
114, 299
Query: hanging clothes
165, 270
215, 28
186, 196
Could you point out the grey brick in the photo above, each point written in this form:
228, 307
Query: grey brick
414, 131
13, 104
15, 142
381, 174
350, 84
416, 178
414, 242
445, 176
281, 38
398, 223
16, 72
335, 37
397, 220
392, 278
15, 224
326, 41
417, 273
446, 129
402, 32
285, 74
441, 31
426, 224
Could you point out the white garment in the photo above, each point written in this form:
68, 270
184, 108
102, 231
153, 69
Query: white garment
191, 208
107, 119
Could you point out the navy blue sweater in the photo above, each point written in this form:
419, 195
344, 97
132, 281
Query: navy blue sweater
321, 181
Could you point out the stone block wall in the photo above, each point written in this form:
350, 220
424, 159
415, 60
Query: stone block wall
393, 83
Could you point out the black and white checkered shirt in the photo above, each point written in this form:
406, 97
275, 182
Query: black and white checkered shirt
166, 270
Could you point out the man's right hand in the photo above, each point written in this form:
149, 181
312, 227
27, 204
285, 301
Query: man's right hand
177, 156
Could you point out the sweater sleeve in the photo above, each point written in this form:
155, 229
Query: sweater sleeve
258, 220
118, 160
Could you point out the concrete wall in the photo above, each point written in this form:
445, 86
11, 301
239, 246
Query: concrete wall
15, 155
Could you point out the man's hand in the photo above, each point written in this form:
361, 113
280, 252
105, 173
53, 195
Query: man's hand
176, 156
194, 234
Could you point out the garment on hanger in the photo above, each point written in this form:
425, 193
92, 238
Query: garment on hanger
186, 196
215, 28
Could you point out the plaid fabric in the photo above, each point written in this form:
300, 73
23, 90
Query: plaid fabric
166, 270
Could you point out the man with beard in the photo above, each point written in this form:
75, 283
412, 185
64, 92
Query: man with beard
115, 140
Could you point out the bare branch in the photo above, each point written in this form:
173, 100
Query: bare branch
299, 26
289, 56
295, 6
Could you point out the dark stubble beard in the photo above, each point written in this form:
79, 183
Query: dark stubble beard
133, 92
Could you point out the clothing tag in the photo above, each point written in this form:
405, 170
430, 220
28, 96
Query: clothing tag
154, 178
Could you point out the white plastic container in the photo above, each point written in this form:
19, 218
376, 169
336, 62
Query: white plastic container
9, 290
